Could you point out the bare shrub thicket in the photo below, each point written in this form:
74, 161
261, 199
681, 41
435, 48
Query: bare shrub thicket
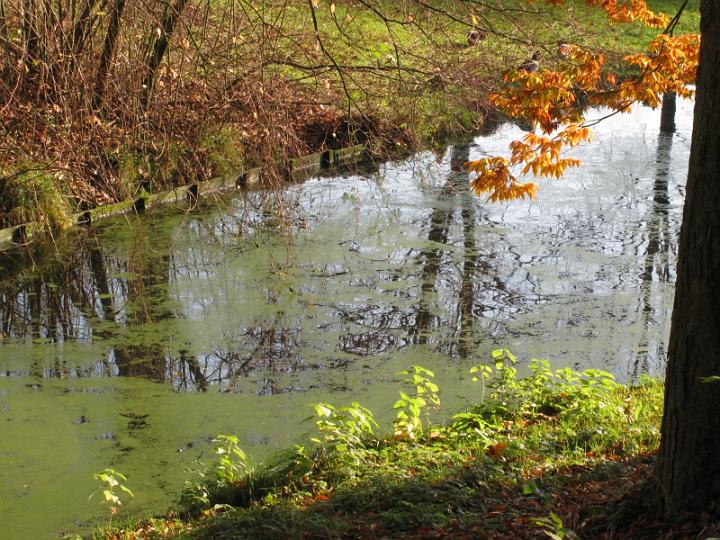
105, 96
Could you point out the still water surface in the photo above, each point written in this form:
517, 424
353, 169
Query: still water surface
130, 345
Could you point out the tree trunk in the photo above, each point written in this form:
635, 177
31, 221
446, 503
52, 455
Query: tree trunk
3, 22
667, 113
688, 468
6, 46
31, 40
82, 27
159, 48
108, 52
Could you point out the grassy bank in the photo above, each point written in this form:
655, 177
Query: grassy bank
543, 453
252, 85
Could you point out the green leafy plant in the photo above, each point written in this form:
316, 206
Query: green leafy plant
224, 153
587, 398
554, 528
543, 391
33, 194
524, 437
232, 462
111, 488
343, 429
229, 471
423, 396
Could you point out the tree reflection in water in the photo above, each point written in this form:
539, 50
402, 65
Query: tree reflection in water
123, 297
244, 298
657, 267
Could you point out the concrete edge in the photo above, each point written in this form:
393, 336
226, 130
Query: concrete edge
298, 169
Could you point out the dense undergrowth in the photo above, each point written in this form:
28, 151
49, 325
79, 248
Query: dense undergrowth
87, 112
527, 460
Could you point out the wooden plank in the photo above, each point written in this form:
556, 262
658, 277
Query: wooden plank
252, 178
307, 165
7, 235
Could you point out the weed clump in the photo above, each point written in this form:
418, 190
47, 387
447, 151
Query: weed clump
224, 153
31, 193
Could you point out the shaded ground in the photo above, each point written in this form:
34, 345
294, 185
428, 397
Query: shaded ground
603, 500
556, 453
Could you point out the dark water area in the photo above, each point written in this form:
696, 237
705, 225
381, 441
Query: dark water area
131, 344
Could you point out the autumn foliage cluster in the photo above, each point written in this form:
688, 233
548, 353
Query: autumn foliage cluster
554, 101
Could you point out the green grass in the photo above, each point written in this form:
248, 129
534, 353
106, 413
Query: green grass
513, 457
690, 20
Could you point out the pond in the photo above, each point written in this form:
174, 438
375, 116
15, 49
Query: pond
131, 344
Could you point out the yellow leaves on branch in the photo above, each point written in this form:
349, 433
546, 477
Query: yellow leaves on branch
537, 153
541, 154
575, 134
550, 100
669, 65
538, 96
494, 178
624, 11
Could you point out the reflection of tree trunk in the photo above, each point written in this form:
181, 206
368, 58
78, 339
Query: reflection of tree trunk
667, 113
6, 310
97, 267
59, 326
440, 220
459, 155
201, 382
466, 295
147, 289
52, 308
36, 369
658, 244
36, 308
439, 225
64, 301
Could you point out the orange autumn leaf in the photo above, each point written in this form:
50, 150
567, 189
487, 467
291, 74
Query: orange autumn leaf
496, 450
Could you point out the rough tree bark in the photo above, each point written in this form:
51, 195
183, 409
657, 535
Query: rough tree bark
5, 48
31, 40
688, 469
81, 28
